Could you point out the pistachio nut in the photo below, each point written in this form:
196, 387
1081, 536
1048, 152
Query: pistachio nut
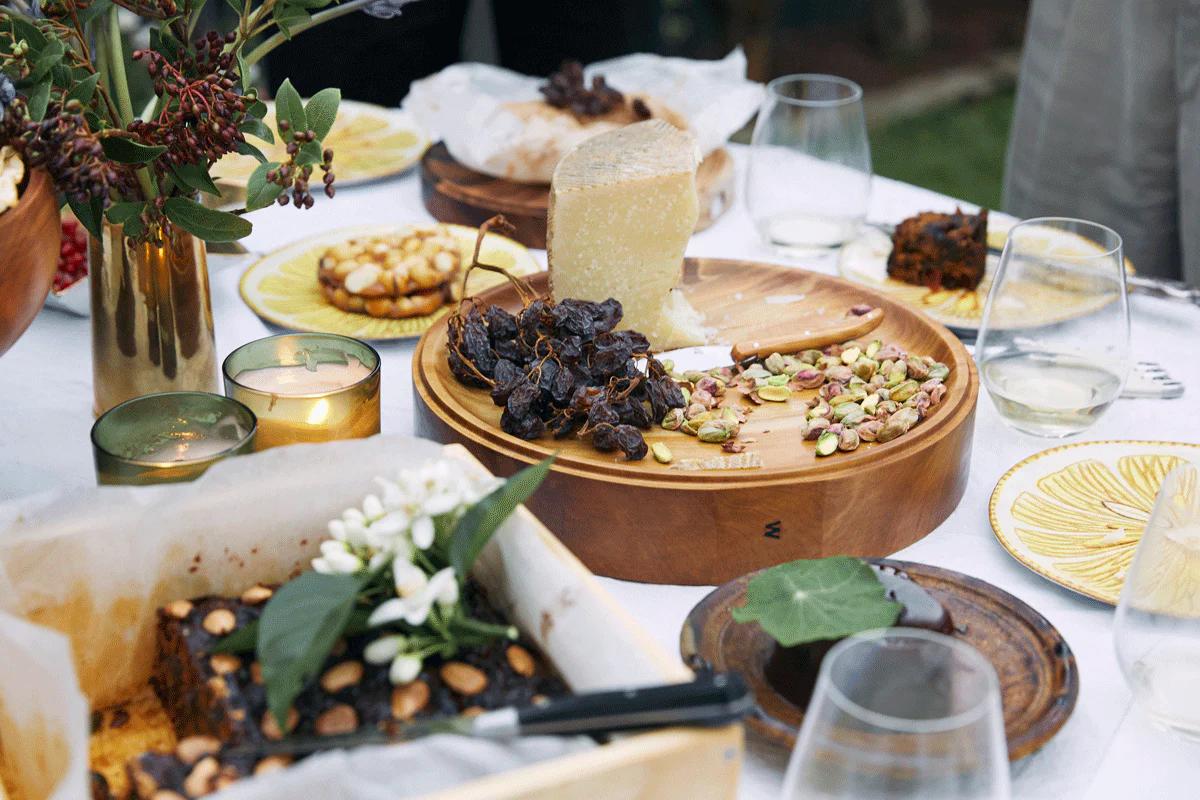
841, 374
667, 364
857, 384
897, 424
694, 410
937, 394
825, 362
864, 368
867, 431
877, 381
918, 367
694, 376
848, 440
792, 365
821, 409
852, 415
774, 363
905, 390
777, 380
856, 396
661, 453
776, 394
833, 350
713, 386
814, 428
808, 379
732, 414
870, 404
755, 371
939, 371
850, 355
687, 394
873, 348
810, 356
673, 420
885, 366
723, 374
713, 432
703, 398
928, 385
889, 352
831, 390
888, 407
827, 443
898, 374
837, 428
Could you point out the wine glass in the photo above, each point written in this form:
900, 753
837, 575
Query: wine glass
1157, 627
809, 175
899, 713
1053, 346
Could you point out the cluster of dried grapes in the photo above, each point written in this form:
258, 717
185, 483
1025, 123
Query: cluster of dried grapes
562, 368
567, 89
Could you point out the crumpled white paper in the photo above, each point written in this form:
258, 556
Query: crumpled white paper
89, 569
467, 107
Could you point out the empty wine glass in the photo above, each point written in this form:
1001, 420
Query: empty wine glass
900, 713
1157, 627
1053, 346
809, 175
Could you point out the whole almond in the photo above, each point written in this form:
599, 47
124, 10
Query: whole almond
520, 660
191, 749
200, 780
270, 727
219, 622
341, 676
408, 699
463, 678
271, 764
256, 594
179, 609
224, 663
338, 719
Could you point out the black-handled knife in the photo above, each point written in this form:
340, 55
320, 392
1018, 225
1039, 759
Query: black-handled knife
709, 700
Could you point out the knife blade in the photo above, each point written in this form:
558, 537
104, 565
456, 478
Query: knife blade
710, 700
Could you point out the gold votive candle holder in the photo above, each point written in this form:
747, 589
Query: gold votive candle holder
169, 437
306, 387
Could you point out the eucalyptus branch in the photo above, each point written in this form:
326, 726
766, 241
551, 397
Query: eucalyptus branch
320, 17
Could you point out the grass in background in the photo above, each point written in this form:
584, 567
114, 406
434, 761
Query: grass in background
957, 150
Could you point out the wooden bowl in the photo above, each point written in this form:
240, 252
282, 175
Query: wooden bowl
645, 521
29, 241
456, 193
1039, 680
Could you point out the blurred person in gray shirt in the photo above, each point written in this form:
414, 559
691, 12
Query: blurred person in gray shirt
1107, 125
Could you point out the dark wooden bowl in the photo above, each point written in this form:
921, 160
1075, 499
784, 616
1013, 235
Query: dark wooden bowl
29, 241
644, 521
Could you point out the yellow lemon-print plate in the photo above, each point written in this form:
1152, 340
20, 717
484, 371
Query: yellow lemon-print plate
1075, 514
282, 286
368, 141
865, 260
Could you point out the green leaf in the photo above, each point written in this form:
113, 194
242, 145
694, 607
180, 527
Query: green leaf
309, 153
261, 192
127, 151
286, 16
97, 9
120, 213
236, 5
24, 29
89, 214
196, 177
242, 640
309, 4
817, 600
296, 631
50, 57
93, 120
247, 149
289, 108
476, 526
38, 99
258, 129
206, 223
161, 41
257, 109
85, 89
321, 111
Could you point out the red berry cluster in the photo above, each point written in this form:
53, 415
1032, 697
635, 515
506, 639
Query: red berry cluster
293, 178
72, 255
200, 122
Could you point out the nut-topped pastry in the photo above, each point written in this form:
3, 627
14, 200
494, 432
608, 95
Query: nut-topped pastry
406, 274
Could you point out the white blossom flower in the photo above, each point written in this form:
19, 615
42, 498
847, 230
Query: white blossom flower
422, 532
372, 507
385, 648
409, 578
405, 668
414, 608
336, 559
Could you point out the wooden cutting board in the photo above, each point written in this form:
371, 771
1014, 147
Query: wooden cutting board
650, 522
455, 193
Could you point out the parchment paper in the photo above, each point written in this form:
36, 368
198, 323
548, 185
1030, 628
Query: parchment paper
94, 566
464, 105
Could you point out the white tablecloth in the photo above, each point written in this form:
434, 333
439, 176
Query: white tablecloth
1105, 750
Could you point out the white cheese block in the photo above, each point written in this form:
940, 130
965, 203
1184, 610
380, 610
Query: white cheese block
622, 206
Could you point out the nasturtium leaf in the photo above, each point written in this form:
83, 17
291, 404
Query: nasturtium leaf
297, 629
194, 176
817, 600
476, 526
261, 192
321, 111
127, 151
289, 107
208, 224
85, 88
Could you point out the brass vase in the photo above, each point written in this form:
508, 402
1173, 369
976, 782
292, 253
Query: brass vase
152, 326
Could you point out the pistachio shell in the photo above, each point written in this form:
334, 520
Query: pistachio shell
827, 443
776, 394
905, 390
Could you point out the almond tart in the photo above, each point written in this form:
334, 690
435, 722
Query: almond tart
407, 274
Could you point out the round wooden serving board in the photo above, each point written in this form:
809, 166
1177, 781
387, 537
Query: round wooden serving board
455, 193
651, 522
1039, 681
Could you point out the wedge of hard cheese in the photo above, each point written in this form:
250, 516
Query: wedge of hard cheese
622, 206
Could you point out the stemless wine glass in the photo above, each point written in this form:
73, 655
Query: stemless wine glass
899, 713
1053, 346
809, 177
1157, 627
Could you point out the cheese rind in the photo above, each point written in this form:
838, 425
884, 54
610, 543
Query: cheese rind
622, 207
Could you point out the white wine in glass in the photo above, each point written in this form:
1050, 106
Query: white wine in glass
1053, 346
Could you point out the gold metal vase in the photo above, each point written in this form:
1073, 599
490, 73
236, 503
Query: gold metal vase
152, 326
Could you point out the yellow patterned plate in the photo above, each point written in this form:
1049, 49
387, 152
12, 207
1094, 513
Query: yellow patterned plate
1074, 514
281, 287
865, 260
369, 142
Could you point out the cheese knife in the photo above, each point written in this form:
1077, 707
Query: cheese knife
710, 700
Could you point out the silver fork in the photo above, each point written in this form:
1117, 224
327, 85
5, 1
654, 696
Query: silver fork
1149, 379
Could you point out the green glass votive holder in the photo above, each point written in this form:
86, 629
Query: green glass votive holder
306, 387
169, 437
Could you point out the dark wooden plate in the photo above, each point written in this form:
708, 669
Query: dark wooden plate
1039, 681
455, 193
